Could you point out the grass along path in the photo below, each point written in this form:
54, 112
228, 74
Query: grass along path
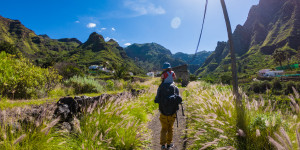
212, 119
120, 124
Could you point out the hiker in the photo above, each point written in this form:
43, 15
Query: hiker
168, 99
168, 76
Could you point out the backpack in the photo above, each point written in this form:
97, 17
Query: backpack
169, 99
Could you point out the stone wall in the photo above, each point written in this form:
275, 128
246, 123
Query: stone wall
182, 73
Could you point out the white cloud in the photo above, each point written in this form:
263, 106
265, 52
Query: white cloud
144, 7
113, 29
127, 44
91, 25
176, 22
77, 21
103, 29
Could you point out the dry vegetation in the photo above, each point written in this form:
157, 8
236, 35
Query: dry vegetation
213, 120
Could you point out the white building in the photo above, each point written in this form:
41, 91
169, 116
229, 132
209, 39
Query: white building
94, 67
270, 73
150, 74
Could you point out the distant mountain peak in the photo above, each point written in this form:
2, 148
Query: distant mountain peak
95, 37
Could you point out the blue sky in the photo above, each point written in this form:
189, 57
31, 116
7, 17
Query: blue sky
175, 24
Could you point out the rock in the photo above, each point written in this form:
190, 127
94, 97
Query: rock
66, 108
66, 126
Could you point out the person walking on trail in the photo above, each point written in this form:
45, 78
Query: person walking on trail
168, 99
168, 76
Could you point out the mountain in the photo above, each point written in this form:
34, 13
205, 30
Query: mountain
271, 25
31, 45
96, 51
151, 56
197, 59
194, 61
44, 51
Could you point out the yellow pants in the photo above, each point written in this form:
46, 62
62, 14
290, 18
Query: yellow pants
166, 133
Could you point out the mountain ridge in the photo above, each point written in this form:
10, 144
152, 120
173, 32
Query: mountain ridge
271, 25
151, 56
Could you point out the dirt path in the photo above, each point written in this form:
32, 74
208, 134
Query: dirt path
178, 136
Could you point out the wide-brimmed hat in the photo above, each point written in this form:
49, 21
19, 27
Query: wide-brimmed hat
166, 65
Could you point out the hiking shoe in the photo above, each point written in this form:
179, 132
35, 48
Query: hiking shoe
170, 146
163, 147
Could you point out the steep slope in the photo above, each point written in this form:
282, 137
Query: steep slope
31, 45
151, 56
271, 25
96, 51
44, 51
197, 59
194, 61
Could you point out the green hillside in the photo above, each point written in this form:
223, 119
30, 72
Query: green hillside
270, 26
151, 56
45, 52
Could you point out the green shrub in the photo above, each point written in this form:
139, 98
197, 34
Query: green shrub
8, 48
209, 79
226, 79
193, 77
110, 85
255, 87
120, 71
264, 86
68, 70
289, 88
61, 91
84, 85
21, 79
276, 84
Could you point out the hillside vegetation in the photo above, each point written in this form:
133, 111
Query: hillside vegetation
151, 56
271, 26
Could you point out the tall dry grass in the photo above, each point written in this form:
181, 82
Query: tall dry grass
212, 122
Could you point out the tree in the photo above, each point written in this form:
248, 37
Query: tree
120, 71
8, 48
279, 56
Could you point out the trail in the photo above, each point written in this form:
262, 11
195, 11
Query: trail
178, 135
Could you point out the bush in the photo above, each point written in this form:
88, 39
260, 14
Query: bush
208, 79
120, 71
84, 85
226, 79
193, 77
8, 48
68, 70
110, 85
60, 90
276, 84
264, 86
255, 87
289, 88
21, 79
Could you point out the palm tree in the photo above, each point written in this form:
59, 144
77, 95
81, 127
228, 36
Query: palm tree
279, 56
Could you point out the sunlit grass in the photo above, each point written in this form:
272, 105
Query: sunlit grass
212, 120
118, 124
